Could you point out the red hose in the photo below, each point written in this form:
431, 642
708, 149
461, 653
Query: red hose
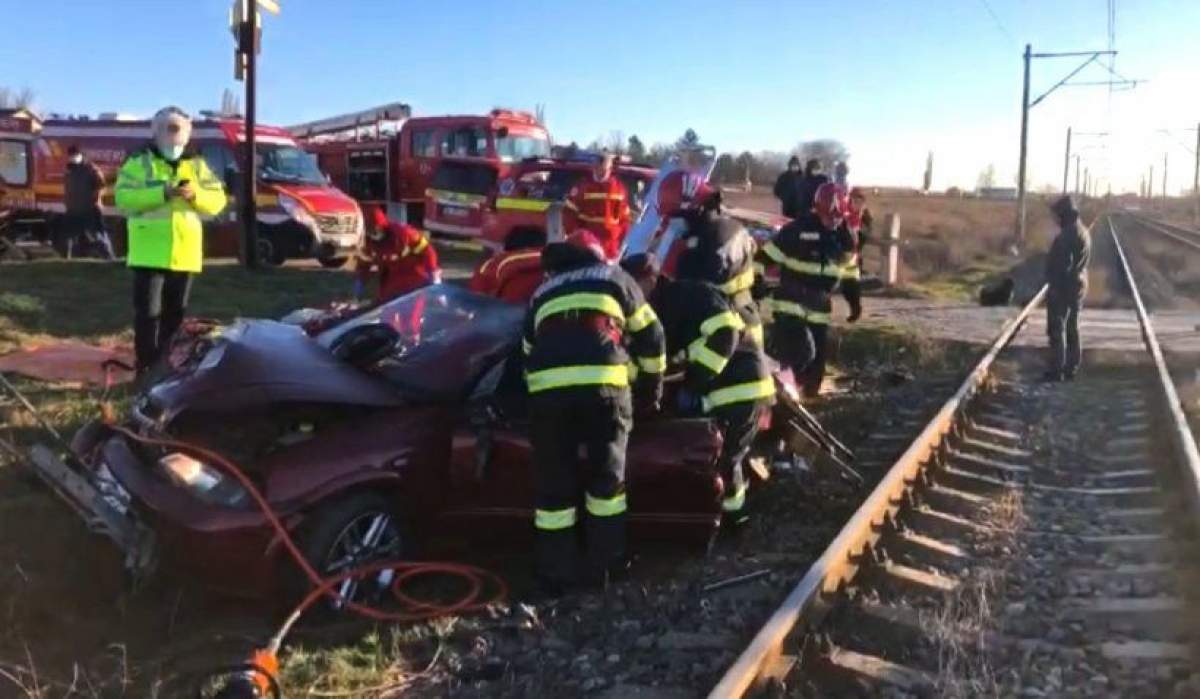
417, 610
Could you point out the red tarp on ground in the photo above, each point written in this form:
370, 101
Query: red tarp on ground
68, 361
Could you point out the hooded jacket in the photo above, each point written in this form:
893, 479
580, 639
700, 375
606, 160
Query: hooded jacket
1067, 261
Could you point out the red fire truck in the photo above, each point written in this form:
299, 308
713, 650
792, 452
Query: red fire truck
526, 198
431, 171
300, 214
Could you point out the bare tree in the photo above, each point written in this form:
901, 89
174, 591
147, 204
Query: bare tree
928, 180
826, 150
987, 178
539, 113
230, 103
17, 99
615, 142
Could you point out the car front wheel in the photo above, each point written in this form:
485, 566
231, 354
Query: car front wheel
352, 532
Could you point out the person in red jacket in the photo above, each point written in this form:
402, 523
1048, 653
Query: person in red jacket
403, 255
600, 204
514, 274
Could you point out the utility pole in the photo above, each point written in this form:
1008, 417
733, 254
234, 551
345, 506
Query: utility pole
1150, 184
1077, 174
1026, 105
1087, 182
246, 24
1196, 180
1067, 161
1024, 149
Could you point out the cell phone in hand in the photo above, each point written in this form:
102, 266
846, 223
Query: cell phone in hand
182, 183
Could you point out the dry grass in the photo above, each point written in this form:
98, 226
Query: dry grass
962, 628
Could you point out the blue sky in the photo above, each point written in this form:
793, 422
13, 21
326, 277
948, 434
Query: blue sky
890, 79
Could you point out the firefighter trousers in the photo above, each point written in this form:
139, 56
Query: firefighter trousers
800, 345
579, 436
738, 423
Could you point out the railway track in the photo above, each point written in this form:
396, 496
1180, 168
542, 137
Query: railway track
1034, 540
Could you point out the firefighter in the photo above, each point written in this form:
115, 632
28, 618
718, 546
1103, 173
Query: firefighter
859, 221
164, 188
713, 247
787, 188
1067, 281
726, 376
514, 274
600, 204
405, 258
584, 324
813, 179
812, 253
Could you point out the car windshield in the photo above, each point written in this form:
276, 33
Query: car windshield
287, 163
448, 337
512, 148
561, 182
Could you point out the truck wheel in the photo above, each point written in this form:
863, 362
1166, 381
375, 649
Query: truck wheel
332, 262
350, 532
268, 253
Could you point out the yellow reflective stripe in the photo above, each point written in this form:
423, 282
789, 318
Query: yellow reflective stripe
702, 354
605, 507
632, 367
419, 247
517, 258
580, 302
760, 268
851, 271
565, 376
772, 251
736, 500
756, 334
603, 195
653, 365
642, 318
801, 266
741, 282
724, 319
515, 204
794, 309
554, 520
755, 390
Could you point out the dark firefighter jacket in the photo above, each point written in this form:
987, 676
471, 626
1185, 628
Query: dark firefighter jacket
588, 325
720, 251
723, 363
812, 261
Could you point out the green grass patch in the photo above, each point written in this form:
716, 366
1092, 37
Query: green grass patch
960, 285
900, 347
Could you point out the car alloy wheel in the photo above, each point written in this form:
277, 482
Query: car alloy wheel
371, 536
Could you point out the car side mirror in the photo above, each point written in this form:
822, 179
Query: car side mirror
366, 345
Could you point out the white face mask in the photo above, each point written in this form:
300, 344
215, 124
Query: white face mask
76, 159
170, 151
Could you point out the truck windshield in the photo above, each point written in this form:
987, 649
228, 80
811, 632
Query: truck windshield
286, 163
511, 148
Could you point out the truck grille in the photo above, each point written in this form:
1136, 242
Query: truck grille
337, 224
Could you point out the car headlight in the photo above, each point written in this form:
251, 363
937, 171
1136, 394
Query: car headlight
296, 210
204, 481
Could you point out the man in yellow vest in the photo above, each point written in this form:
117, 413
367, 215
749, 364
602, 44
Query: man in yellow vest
164, 188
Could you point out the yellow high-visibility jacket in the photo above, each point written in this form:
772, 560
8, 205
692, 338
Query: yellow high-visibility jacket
166, 234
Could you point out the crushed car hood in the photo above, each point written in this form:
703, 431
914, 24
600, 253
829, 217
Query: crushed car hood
257, 362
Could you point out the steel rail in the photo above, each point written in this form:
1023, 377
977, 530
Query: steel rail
1182, 439
841, 559
1177, 233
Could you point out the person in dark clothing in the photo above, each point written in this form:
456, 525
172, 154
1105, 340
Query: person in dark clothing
1066, 277
720, 251
813, 254
588, 327
83, 225
813, 179
726, 375
787, 188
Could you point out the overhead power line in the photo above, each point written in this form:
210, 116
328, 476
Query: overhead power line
996, 20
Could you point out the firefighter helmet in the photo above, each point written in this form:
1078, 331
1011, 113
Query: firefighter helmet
681, 190
830, 204
587, 240
379, 222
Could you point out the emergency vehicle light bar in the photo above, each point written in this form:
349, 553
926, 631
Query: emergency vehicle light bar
397, 111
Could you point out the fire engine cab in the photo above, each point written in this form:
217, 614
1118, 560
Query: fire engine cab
300, 214
530, 197
436, 172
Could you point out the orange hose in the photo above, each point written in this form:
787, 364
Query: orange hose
418, 610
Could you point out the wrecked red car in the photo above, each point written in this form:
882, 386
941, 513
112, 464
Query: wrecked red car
400, 422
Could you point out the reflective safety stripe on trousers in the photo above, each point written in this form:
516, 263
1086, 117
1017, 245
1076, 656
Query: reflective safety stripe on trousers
794, 309
604, 195
605, 507
570, 376
741, 393
554, 520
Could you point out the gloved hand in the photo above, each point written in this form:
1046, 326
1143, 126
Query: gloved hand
855, 311
686, 402
360, 288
